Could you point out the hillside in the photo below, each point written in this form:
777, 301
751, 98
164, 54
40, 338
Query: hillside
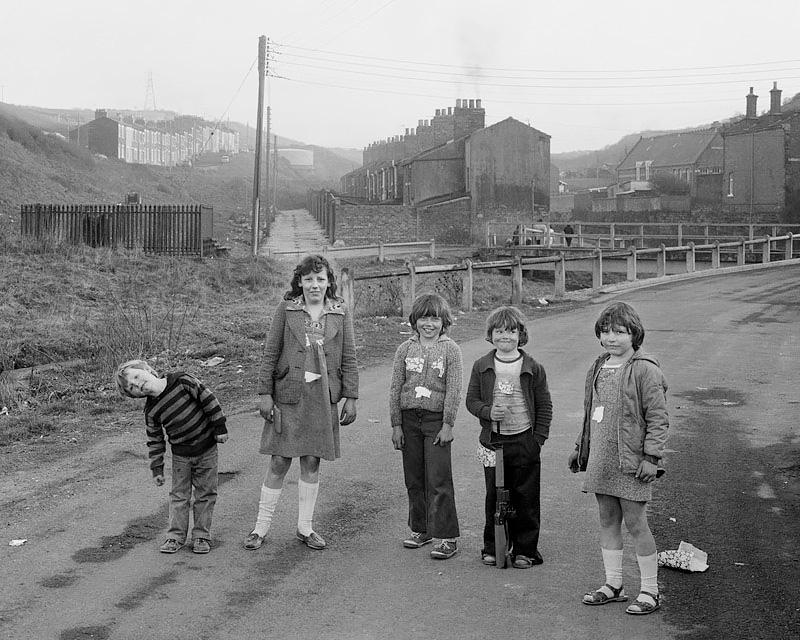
37, 166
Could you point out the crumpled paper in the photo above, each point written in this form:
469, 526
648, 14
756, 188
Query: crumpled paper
686, 557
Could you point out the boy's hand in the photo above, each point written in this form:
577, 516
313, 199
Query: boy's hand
572, 462
444, 436
221, 438
497, 413
159, 480
397, 437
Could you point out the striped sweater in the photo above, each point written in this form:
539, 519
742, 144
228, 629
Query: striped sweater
188, 412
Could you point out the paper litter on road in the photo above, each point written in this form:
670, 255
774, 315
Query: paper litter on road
686, 557
17, 543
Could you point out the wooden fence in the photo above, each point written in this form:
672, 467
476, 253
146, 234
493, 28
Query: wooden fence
765, 249
175, 230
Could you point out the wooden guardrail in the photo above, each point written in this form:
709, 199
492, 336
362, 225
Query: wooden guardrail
759, 247
177, 230
381, 251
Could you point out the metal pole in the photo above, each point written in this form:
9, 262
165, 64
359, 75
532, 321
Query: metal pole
262, 57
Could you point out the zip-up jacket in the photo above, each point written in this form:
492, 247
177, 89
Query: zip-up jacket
533, 381
643, 418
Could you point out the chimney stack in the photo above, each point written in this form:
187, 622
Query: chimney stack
775, 100
751, 105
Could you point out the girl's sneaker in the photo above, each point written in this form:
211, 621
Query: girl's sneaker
417, 540
444, 550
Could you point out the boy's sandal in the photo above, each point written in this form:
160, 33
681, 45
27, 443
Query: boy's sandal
641, 607
604, 595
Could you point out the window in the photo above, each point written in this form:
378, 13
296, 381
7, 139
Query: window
730, 184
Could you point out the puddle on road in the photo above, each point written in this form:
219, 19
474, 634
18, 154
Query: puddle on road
86, 633
714, 396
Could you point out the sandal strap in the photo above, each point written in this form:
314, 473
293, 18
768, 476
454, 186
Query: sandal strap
606, 592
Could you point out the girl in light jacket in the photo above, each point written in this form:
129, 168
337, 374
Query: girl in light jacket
621, 449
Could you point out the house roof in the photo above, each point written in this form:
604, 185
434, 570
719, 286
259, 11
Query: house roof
671, 149
762, 123
582, 184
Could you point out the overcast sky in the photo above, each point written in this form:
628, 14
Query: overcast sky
345, 73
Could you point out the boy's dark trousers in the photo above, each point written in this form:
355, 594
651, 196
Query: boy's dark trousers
521, 455
199, 472
428, 474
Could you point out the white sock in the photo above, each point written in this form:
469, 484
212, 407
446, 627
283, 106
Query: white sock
648, 567
307, 498
612, 561
266, 509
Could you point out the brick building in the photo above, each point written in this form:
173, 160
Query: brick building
453, 175
162, 144
762, 159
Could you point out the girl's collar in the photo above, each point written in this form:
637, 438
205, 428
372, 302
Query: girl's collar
330, 306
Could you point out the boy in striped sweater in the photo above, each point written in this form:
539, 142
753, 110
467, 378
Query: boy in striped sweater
188, 412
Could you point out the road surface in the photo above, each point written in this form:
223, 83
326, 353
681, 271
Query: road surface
729, 346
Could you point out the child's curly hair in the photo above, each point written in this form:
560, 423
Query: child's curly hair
508, 318
120, 375
315, 263
621, 314
431, 305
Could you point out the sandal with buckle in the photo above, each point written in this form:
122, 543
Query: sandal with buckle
604, 595
641, 607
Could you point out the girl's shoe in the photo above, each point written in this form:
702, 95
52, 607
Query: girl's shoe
171, 545
444, 550
641, 607
253, 541
417, 540
313, 540
488, 559
604, 595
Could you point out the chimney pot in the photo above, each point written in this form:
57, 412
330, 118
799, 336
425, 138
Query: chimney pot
478, 103
458, 103
775, 100
449, 111
751, 104
472, 104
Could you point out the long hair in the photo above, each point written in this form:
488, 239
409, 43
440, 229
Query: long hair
315, 263
508, 318
431, 305
621, 314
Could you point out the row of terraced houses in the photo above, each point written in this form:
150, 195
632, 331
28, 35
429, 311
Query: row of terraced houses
163, 143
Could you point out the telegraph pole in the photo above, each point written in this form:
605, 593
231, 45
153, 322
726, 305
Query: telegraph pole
262, 59
274, 173
267, 217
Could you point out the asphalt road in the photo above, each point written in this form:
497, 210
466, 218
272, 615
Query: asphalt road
729, 347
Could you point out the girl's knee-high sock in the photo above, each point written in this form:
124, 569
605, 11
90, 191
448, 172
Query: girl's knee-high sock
612, 561
648, 567
266, 509
307, 497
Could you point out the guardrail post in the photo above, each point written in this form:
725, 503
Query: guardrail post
579, 234
740, 252
433, 248
661, 261
516, 281
715, 255
789, 250
612, 233
466, 286
409, 288
597, 269
560, 276
680, 234
381, 253
765, 249
690, 258
631, 277
346, 288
